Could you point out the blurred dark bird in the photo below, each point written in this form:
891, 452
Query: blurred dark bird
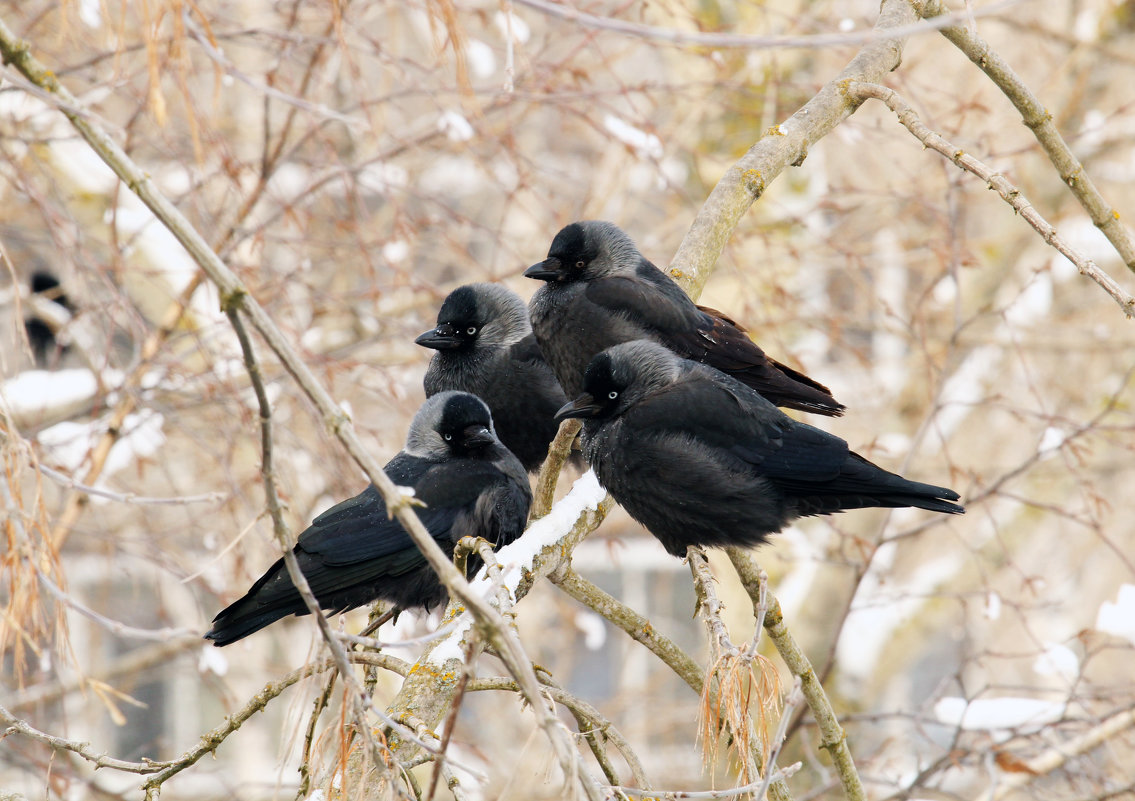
701, 459
355, 553
41, 333
601, 291
484, 345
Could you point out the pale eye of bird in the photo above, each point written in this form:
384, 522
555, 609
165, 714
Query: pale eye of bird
612, 395
579, 265
471, 330
448, 437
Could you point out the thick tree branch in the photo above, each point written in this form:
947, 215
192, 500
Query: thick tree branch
784, 145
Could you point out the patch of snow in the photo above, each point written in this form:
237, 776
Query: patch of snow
382, 178
1033, 303
646, 145
883, 604
945, 291
965, 388
455, 127
993, 606
396, 251
481, 59
1080, 233
518, 556
521, 33
87, 173
1119, 618
34, 392
846, 25
90, 13
998, 716
1051, 441
1058, 660
68, 444
1086, 28
212, 660
454, 176
594, 629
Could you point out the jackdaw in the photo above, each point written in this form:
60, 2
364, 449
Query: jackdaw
41, 334
484, 345
601, 291
701, 459
355, 552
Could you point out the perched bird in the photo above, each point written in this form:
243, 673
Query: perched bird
355, 552
484, 345
701, 459
601, 291
41, 334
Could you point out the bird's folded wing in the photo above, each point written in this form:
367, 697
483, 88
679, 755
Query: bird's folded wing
724, 415
648, 298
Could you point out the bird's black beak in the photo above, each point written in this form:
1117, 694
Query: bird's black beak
583, 406
444, 337
476, 436
550, 269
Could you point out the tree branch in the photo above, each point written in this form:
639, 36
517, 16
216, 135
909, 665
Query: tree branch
784, 145
833, 739
1039, 121
997, 182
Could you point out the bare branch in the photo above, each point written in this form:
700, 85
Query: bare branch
558, 453
833, 739
1039, 121
784, 145
748, 41
997, 182
17, 726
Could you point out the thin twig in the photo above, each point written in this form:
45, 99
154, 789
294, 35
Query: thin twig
1039, 121
1058, 755
83, 749
114, 626
127, 497
634, 624
833, 739
732, 792
784, 145
581, 710
997, 182
675, 36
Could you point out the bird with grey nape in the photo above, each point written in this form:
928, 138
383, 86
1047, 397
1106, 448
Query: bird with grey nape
356, 552
484, 345
701, 459
600, 291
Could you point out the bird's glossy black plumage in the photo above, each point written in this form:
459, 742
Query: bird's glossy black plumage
485, 346
600, 291
355, 553
701, 459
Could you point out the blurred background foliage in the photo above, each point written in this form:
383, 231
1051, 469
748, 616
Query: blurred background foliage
355, 161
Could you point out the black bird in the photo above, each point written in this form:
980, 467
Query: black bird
701, 459
601, 291
41, 335
484, 345
355, 553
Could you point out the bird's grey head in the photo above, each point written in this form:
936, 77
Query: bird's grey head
585, 251
487, 315
449, 425
621, 376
